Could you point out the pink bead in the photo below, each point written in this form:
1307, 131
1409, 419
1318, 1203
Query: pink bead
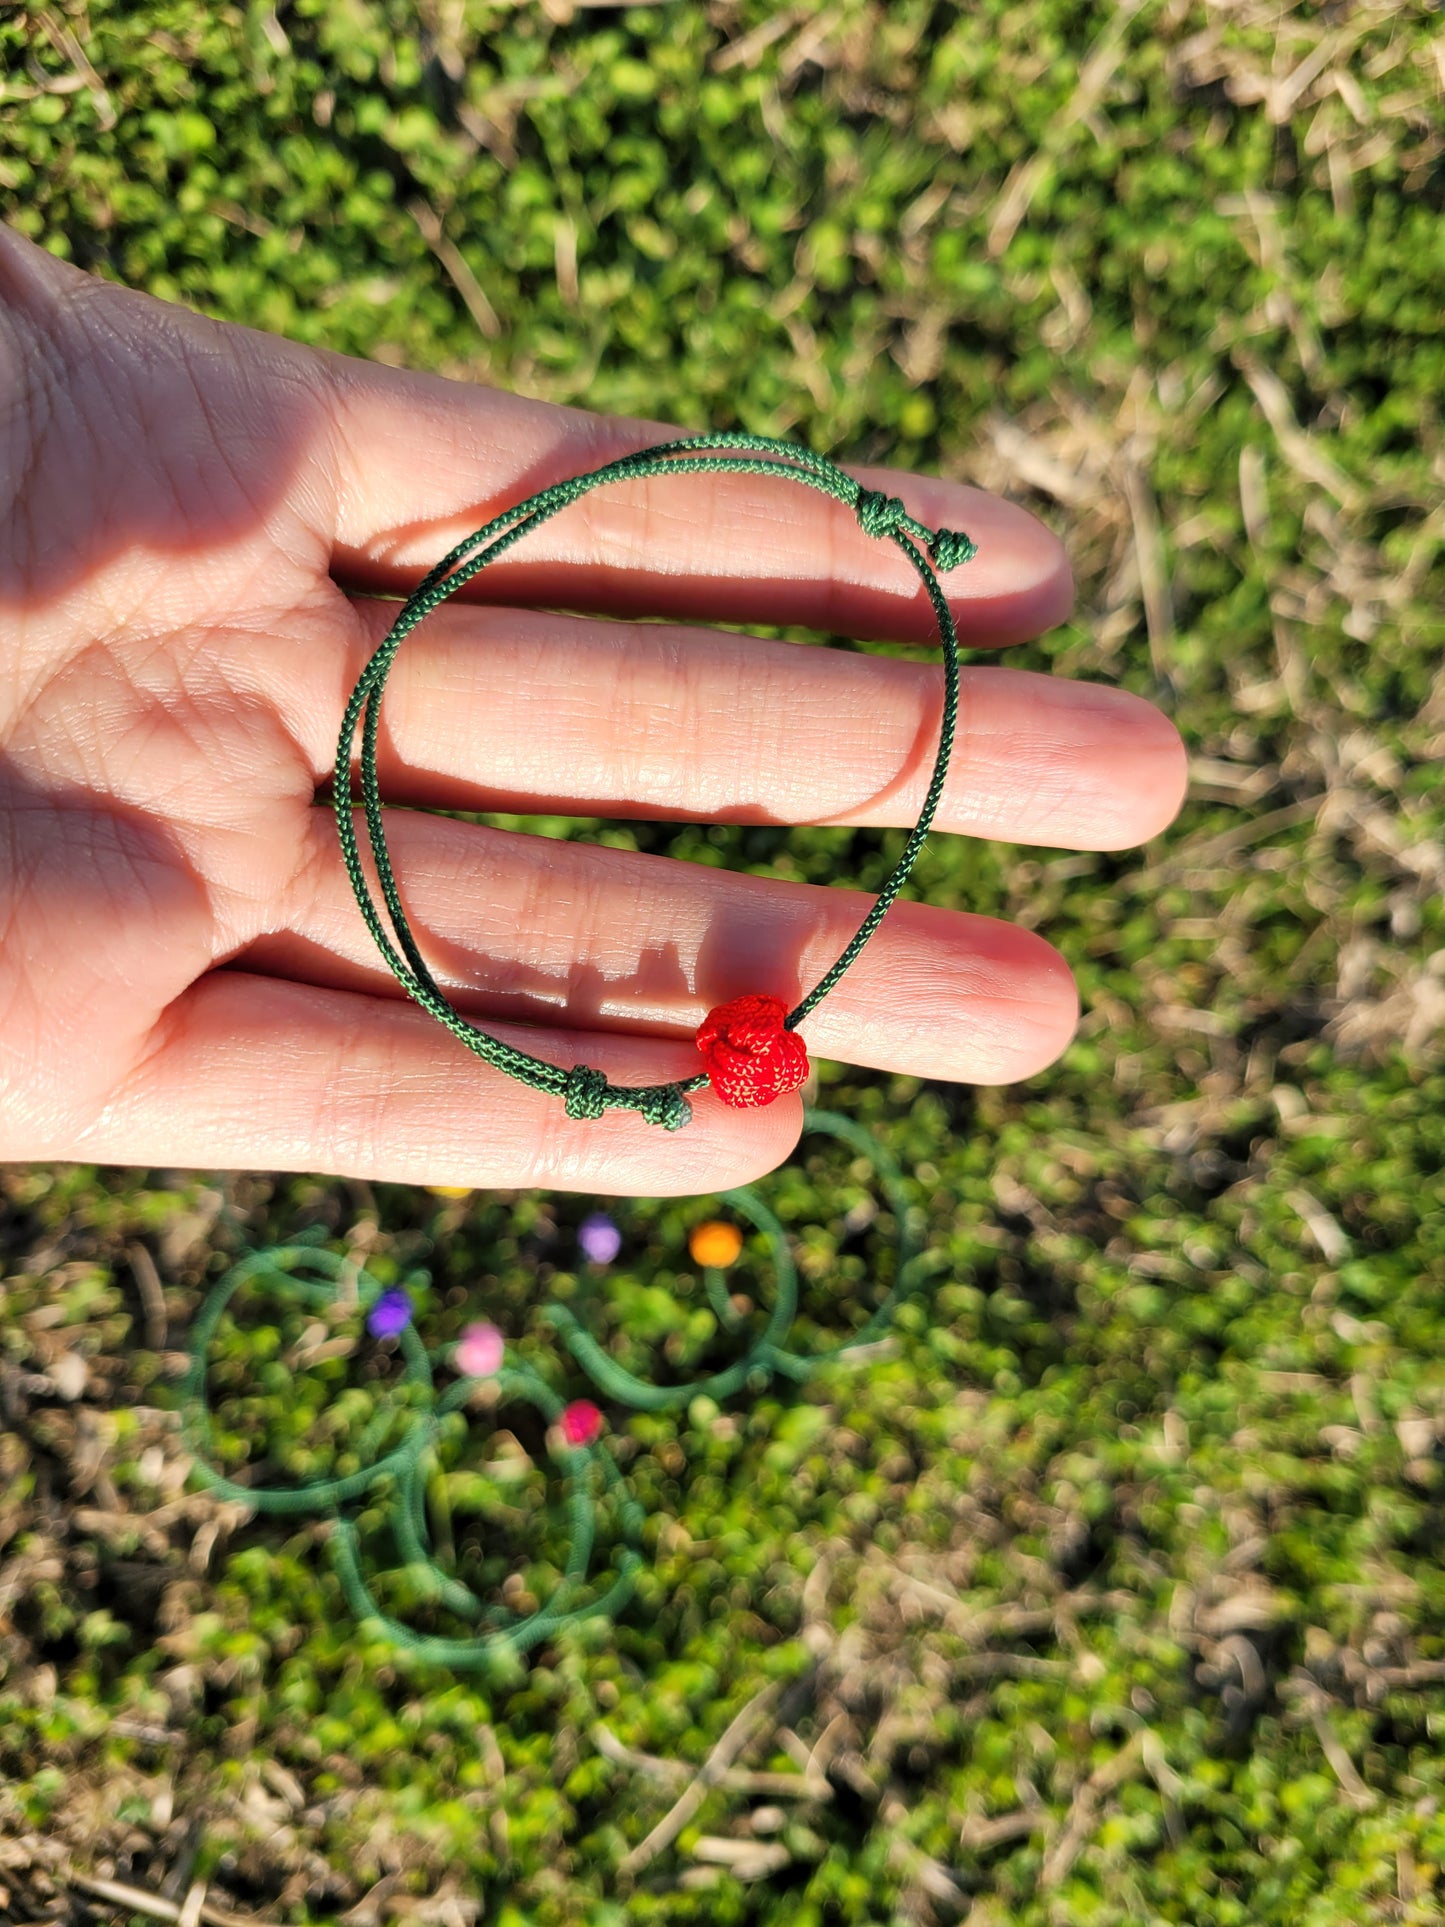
479, 1351
581, 1422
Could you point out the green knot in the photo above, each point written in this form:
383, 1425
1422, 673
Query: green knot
585, 1092
665, 1105
879, 514
950, 547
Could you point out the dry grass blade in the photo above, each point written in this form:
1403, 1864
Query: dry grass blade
460, 275
1355, 1790
69, 48
747, 51
1211, 849
1333, 1243
152, 1297
744, 1859
1153, 573
564, 249
1027, 178
138, 1901
1298, 448
1035, 464
741, 1730
981, 1836
927, 1876
777, 1786
1084, 1812
1304, 1692
675, 1772
192, 1905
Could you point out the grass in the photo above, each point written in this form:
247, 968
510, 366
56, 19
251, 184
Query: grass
1113, 1596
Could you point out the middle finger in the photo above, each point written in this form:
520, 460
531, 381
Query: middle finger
520, 709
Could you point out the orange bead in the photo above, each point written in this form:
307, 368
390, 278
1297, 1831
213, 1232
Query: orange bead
715, 1244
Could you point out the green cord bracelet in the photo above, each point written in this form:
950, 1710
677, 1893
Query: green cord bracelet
504, 1635
390, 1473
768, 1354
748, 1045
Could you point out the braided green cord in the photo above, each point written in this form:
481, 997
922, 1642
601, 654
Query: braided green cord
397, 1479
766, 1356
587, 1092
403, 1469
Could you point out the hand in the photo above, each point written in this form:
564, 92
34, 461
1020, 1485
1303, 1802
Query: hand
197, 523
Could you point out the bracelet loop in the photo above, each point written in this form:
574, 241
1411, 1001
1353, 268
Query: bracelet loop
748, 1061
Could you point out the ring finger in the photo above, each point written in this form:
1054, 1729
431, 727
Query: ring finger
532, 930
516, 709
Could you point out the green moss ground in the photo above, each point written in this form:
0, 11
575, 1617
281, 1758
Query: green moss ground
1114, 1593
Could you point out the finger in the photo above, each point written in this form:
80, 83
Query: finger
249, 1072
529, 929
524, 710
418, 462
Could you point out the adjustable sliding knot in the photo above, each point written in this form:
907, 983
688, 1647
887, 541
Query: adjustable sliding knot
949, 547
585, 1092
666, 1105
879, 514
885, 515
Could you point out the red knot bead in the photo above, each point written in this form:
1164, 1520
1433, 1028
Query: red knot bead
751, 1056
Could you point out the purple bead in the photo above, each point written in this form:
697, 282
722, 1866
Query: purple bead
599, 1238
390, 1315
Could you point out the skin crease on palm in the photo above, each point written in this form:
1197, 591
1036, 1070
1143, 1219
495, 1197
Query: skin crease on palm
198, 526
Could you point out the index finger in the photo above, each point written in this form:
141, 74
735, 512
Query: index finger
419, 462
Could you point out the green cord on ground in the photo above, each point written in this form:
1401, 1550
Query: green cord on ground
395, 1479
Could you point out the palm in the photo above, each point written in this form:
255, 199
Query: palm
193, 523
